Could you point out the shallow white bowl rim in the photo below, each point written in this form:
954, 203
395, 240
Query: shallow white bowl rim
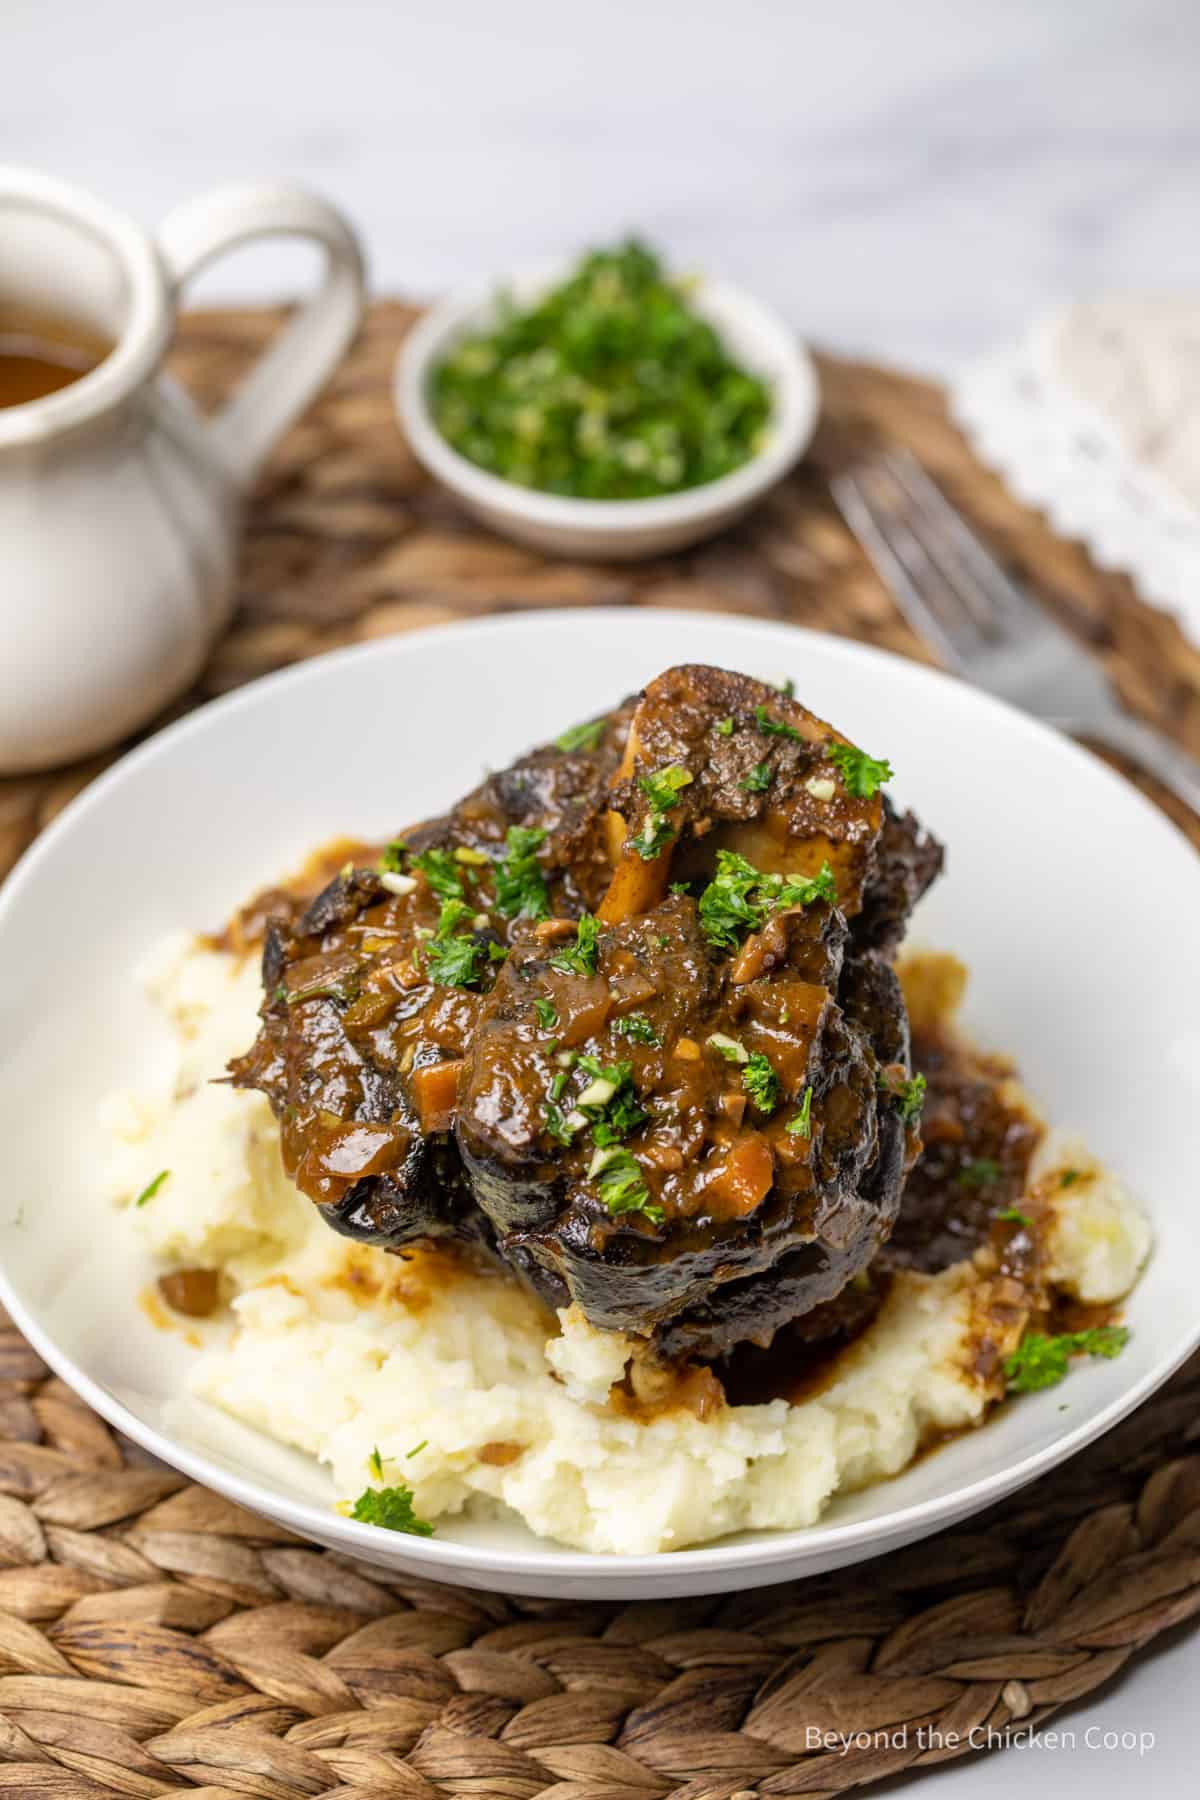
317, 1522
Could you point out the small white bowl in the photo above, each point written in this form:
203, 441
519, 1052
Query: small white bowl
613, 530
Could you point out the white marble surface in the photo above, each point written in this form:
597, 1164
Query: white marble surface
910, 181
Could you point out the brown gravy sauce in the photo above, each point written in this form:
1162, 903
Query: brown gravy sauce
40, 354
977, 1135
243, 932
414, 1276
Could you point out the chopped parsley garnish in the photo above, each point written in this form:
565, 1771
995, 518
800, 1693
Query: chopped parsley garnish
801, 1125
452, 961
441, 872
555, 1121
803, 890
773, 727
980, 1172
622, 1187
416, 1449
1041, 1362
547, 1014
758, 780
579, 958
739, 897
610, 386
909, 1097
609, 1101
392, 860
1069, 1177
727, 907
662, 789
375, 1464
520, 884
653, 838
1013, 1216
638, 1029
606, 1079
863, 775
724, 727
392, 1509
151, 1188
761, 1083
561, 1079
581, 737
452, 914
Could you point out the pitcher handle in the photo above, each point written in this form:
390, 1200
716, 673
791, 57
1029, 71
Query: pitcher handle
308, 349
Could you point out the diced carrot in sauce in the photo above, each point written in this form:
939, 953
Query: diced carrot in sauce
435, 1092
687, 1049
744, 1177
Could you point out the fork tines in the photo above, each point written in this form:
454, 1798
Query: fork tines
948, 584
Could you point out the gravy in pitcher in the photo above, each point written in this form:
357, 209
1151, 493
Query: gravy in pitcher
40, 354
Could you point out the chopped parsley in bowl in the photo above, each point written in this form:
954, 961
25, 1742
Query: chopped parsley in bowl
610, 386
601, 408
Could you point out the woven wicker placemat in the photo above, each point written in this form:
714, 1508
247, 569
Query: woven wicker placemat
154, 1639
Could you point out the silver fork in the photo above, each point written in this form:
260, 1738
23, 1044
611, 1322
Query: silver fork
988, 629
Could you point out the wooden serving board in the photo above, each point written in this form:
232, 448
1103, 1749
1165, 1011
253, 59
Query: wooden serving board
154, 1639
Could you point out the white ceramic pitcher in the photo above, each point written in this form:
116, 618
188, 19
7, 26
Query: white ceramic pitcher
119, 504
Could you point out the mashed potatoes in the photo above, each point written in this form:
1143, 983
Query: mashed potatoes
475, 1397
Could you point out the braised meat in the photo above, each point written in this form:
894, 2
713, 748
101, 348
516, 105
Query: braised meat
371, 991
691, 1144
716, 761
626, 1013
768, 779
978, 1138
907, 860
693, 1125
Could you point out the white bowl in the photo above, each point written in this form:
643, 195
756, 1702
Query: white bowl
1072, 900
613, 530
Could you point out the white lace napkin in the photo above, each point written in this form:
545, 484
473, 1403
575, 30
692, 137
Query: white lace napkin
1095, 419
